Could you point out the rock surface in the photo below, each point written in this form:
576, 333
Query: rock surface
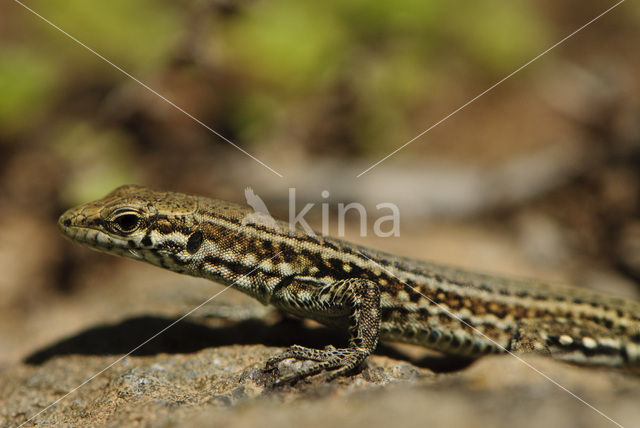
225, 387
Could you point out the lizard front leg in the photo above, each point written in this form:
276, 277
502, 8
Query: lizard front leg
359, 299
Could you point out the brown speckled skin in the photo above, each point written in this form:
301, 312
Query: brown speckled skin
376, 295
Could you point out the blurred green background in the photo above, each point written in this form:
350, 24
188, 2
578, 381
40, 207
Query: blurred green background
337, 83
345, 79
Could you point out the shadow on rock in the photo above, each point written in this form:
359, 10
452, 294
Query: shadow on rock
183, 337
189, 336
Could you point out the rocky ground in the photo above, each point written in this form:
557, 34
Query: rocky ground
225, 386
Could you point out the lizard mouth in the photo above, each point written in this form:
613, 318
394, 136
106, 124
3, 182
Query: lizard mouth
93, 238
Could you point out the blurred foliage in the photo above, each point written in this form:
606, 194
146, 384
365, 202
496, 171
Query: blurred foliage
509, 35
388, 52
359, 77
279, 52
27, 85
99, 160
289, 45
135, 35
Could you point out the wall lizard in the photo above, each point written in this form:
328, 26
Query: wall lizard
376, 296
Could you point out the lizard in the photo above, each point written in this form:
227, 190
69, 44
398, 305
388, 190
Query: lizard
374, 295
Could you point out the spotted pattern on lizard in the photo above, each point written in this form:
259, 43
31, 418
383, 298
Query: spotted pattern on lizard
375, 295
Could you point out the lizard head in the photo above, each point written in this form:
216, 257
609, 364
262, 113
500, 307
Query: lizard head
135, 222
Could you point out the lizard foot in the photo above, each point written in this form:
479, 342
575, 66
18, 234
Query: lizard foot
340, 360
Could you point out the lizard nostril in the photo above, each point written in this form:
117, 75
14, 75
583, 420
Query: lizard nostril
67, 222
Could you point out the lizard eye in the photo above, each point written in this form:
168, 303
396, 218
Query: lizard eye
127, 222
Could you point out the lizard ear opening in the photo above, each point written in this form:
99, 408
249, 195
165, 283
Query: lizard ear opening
195, 241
